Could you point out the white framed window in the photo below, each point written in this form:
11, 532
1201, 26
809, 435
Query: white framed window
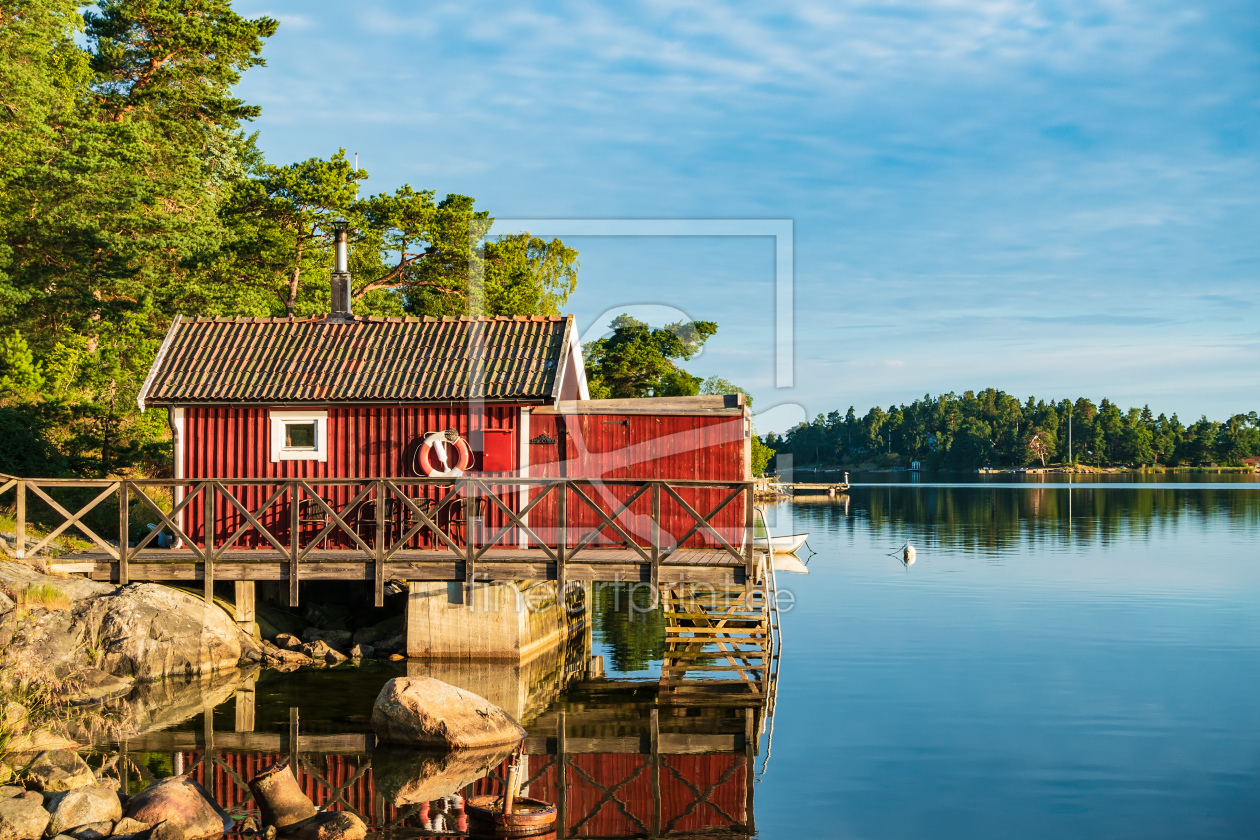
299, 435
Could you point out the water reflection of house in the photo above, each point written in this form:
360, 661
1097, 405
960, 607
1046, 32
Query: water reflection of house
620, 758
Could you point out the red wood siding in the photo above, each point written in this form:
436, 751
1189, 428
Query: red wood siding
380, 441
363, 442
646, 446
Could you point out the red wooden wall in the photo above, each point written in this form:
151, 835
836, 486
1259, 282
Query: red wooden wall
643, 446
380, 441
363, 442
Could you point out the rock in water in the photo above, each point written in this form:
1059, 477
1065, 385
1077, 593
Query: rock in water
287, 641
83, 807
22, 819
91, 831
280, 798
424, 712
338, 640
127, 827
362, 651
329, 825
181, 803
150, 631
55, 771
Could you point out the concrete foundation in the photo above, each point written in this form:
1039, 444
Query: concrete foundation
512, 621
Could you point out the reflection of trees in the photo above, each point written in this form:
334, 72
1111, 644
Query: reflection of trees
636, 636
994, 518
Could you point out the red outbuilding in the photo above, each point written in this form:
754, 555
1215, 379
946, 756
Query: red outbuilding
346, 397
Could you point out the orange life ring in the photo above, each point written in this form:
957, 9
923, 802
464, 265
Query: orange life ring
434, 460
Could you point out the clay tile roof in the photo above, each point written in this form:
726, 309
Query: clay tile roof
264, 360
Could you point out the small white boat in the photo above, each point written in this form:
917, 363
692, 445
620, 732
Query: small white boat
786, 544
790, 563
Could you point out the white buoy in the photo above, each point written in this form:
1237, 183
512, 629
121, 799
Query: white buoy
908, 554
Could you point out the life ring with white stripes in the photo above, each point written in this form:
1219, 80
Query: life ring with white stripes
439, 457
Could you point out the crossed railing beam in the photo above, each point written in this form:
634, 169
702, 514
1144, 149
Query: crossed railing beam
191, 503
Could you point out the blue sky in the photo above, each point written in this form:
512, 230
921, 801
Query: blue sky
1049, 198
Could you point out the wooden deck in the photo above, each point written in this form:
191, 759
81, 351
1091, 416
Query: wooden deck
475, 524
687, 565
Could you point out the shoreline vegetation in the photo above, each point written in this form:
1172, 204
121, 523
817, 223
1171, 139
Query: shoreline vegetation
1050, 469
992, 430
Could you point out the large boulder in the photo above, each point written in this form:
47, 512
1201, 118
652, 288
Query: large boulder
181, 803
84, 806
424, 712
22, 819
55, 771
141, 632
151, 631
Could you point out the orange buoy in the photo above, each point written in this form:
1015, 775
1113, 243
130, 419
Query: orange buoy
442, 457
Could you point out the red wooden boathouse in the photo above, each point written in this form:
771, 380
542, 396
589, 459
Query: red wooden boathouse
346, 397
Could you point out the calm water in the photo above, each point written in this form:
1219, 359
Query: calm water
1059, 662
1032, 674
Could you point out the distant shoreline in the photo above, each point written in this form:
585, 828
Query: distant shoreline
1050, 470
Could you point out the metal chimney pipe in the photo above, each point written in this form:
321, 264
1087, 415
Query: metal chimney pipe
341, 287
341, 248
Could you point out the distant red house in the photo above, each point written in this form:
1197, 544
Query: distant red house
358, 397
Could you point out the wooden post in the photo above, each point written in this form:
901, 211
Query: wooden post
379, 570
562, 536
294, 752
21, 519
245, 709
470, 547
656, 543
207, 757
750, 750
749, 517
124, 534
245, 610
562, 782
207, 556
655, 724
295, 544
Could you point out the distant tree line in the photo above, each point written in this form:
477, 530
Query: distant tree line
992, 428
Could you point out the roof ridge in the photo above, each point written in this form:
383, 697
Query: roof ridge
375, 319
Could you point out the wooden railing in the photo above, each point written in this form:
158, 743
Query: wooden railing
569, 516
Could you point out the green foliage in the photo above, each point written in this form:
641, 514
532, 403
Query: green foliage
718, 386
629, 625
129, 192
761, 455
20, 375
991, 428
638, 361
